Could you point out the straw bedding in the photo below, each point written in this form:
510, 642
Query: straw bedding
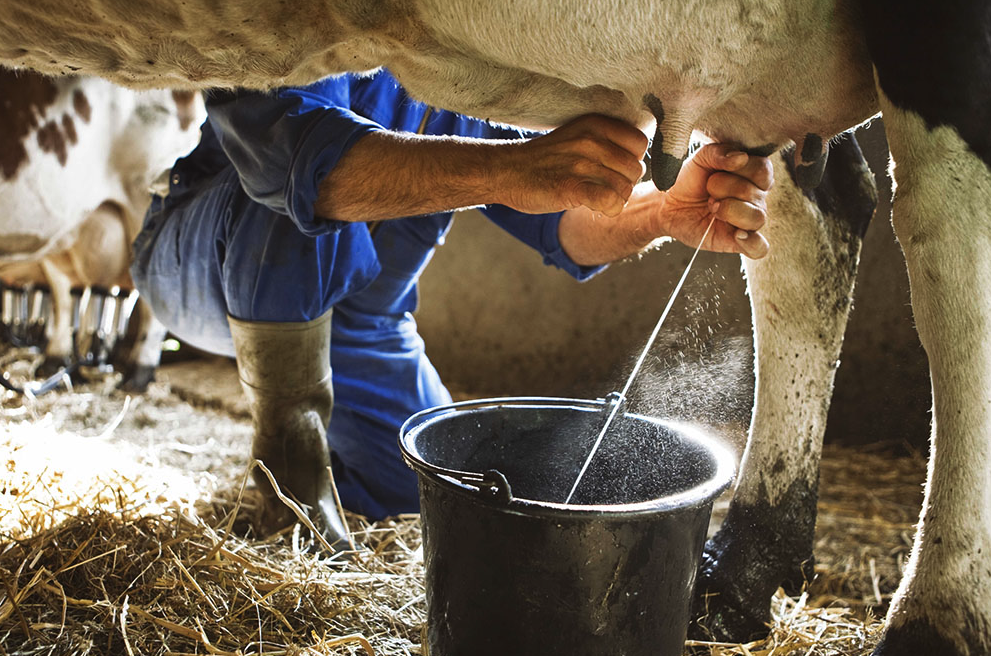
126, 527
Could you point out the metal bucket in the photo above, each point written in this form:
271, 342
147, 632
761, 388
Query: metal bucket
512, 570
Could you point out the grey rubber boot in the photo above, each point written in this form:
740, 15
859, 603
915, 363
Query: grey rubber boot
285, 373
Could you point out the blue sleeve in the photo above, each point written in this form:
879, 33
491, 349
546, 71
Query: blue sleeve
539, 231
284, 144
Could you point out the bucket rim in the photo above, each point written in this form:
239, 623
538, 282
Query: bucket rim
698, 495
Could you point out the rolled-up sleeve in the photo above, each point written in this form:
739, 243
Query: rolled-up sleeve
283, 145
539, 231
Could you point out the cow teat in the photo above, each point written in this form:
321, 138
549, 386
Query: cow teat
670, 145
810, 160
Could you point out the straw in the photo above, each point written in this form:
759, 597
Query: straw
134, 550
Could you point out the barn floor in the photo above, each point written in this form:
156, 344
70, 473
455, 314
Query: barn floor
126, 528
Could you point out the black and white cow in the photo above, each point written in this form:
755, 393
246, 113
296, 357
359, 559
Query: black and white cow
763, 74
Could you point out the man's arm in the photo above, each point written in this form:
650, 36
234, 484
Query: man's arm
588, 167
593, 161
717, 180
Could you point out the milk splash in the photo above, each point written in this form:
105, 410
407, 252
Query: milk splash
616, 402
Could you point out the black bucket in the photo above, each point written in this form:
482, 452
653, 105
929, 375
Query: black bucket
511, 570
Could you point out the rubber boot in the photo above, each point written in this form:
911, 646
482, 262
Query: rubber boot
285, 372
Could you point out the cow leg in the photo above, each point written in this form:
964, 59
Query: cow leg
941, 215
101, 253
801, 297
58, 351
142, 356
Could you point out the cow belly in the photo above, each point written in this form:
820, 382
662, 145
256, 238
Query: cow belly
702, 45
47, 210
780, 68
766, 71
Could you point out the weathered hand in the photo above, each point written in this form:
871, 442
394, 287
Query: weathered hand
593, 161
730, 184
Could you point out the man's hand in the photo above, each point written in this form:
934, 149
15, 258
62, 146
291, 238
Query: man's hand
594, 161
730, 184
716, 181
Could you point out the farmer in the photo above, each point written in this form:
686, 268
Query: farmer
281, 243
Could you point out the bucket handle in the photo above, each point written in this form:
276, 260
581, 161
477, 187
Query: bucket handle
492, 483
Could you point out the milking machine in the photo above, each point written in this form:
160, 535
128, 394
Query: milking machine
99, 320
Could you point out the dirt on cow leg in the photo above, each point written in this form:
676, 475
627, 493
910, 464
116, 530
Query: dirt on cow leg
763, 547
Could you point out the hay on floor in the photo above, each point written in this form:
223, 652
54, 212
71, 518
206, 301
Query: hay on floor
170, 584
104, 583
109, 551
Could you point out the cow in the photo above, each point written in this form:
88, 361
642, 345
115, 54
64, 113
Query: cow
763, 74
85, 309
77, 158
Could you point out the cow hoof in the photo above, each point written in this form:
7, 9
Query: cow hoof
734, 607
137, 378
52, 365
724, 612
759, 548
919, 637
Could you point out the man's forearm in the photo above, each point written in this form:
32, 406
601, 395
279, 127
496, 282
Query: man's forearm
591, 161
388, 175
592, 238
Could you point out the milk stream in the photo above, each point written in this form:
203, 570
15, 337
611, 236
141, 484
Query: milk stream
617, 401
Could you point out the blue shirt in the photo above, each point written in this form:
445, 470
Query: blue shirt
283, 145
237, 234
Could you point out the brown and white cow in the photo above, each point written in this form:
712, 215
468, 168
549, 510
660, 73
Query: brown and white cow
761, 73
77, 158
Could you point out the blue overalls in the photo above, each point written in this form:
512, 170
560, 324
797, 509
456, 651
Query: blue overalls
237, 235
